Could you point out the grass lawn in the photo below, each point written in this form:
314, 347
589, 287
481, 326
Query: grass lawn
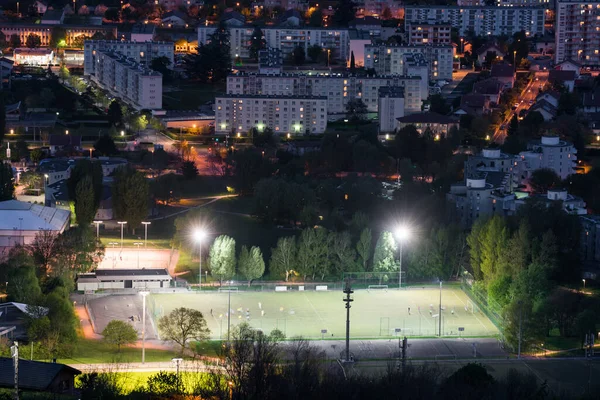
306, 313
96, 351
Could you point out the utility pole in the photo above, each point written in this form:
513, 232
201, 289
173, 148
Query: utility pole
348, 291
440, 316
14, 352
229, 312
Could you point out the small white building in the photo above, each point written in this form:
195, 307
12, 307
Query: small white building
124, 279
26, 56
20, 222
549, 152
391, 107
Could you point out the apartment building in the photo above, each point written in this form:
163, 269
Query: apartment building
285, 39
483, 20
131, 82
337, 88
73, 32
140, 52
429, 33
376, 7
578, 32
390, 107
294, 115
389, 59
548, 152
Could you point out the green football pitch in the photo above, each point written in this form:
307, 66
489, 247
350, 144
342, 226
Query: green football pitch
374, 314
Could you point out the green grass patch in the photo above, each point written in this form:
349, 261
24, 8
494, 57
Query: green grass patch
129, 242
96, 351
561, 343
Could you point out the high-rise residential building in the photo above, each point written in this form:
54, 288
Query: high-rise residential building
429, 33
73, 33
377, 7
549, 152
578, 32
294, 115
390, 108
389, 59
286, 39
482, 20
133, 83
338, 89
139, 52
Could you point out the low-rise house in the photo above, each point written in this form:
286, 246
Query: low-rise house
505, 73
491, 88
474, 104
38, 376
563, 77
124, 279
59, 142
591, 101
551, 96
491, 49
436, 123
544, 107
569, 65
174, 18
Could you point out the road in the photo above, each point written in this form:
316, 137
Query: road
528, 94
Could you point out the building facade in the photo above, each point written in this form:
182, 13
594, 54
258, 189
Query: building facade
131, 82
73, 32
389, 59
296, 115
140, 52
429, 33
27, 56
483, 20
578, 32
338, 89
548, 152
285, 39
390, 107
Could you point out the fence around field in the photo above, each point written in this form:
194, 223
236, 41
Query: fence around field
480, 299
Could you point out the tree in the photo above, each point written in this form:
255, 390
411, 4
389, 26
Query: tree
543, 179
513, 126
7, 186
20, 150
352, 62
58, 37
438, 104
130, 193
15, 41
387, 13
345, 11
77, 251
356, 110
257, 42
343, 256
384, 256
493, 242
119, 333
85, 167
364, 248
316, 19
189, 170
298, 57
165, 384
33, 41
161, 64
251, 263
283, 258
313, 253
314, 52
84, 201
115, 114
44, 248
183, 324
23, 285
222, 257
106, 146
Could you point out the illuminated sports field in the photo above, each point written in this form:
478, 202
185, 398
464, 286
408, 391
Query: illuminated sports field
374, 314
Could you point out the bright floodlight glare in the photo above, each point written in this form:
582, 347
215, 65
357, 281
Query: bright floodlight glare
402, 232
199, 235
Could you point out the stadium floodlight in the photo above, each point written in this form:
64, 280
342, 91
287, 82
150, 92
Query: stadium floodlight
199, 236
402, 234
145, 223
97, 228
144, 294
122, 223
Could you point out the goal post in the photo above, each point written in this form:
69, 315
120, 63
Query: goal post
377, 287
227, 289
370, 280
471, 307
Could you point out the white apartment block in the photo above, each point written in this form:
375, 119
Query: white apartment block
483, 20
140, 52
578, 32
285, 39
127, 80
389, 59
549, 152
427, 33
294, 115
338, 89
376, 7
391, 106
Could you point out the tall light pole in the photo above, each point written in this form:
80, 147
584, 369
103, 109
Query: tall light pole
229, 313
402, 234
98, 228
515, 59
138, 244
145, 232
199, 235
440, 316
583, 284
144, 294
122, 223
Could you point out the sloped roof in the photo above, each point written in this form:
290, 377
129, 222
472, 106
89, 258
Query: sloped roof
552, 93
561, 75
473, 100
175, 13
490, 47
33, 375
24, 308
488, 86
233, 15
20, 215
544, 105
12, 107
502, 70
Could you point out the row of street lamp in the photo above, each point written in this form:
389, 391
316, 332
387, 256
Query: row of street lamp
123, 223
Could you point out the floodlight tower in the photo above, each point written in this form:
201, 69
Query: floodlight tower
199, 236
348, 291
402, 234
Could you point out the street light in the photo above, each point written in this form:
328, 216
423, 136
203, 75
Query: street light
515, 59
67, 132
122, 133
145, 232
199, 236
98, 228
144, 294
402, 234
122, 223
583, 284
